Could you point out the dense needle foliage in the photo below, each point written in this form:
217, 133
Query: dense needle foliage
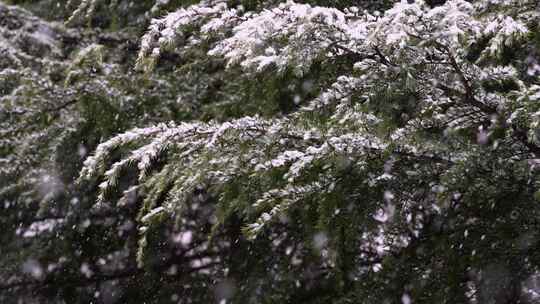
270, 152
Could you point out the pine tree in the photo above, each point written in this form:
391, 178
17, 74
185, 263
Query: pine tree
274, 152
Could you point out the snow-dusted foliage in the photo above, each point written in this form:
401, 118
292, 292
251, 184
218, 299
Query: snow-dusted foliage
85, 10
62, 91
412, 55
41, 82
416, 99
331, 154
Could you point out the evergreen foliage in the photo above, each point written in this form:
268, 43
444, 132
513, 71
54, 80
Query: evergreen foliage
267, 152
